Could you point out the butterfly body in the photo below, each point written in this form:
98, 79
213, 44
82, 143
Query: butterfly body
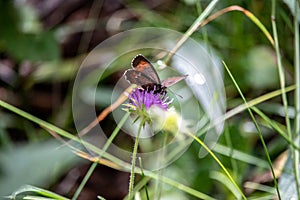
144, 75
156, 88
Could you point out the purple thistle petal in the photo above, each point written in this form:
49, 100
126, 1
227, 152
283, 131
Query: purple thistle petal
140, 98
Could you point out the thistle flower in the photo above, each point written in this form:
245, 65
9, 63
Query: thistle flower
140, 99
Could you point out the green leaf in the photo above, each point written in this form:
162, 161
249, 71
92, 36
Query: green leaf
24, 46
222, 178
34, 47
35, 163
31, 192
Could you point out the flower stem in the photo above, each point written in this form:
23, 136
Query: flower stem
94, 165
136, 144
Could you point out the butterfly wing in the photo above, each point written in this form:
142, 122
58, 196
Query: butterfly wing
143, 74
172, 80
141, 64
137, 77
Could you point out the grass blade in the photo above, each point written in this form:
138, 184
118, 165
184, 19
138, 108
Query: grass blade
284, 97
258, 129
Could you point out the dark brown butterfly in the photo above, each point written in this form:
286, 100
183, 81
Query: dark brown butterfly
144, 75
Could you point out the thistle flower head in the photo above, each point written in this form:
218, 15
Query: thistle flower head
140, 99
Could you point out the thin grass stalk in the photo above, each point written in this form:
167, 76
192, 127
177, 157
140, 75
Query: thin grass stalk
48, 126
101, 198
142, 183
192, 29
86, 38
229, 143
245, 106
247, 13
280, 69
240, 156
204, 31
275, 126
297, 79
85, 180
26, 192
284, 97
256, 101
178, 185
258, 129
105, 147
118, 164
136, 144
162, 158
219, 162
143, 175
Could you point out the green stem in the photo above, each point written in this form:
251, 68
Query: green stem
219, 162
84, 181
297, 70
297, 94
257, 128
136, 144
245, 106
105, 147
36, 120
192, 29
143, 176
87, 35
275, 126
280, 70
283, 96
120, 165
229, 143
161, 159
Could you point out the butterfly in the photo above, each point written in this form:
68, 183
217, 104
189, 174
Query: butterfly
144, 75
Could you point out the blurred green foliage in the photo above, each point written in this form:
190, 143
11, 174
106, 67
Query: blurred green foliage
40, 45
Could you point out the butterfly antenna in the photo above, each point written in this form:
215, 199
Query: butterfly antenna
176, 94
